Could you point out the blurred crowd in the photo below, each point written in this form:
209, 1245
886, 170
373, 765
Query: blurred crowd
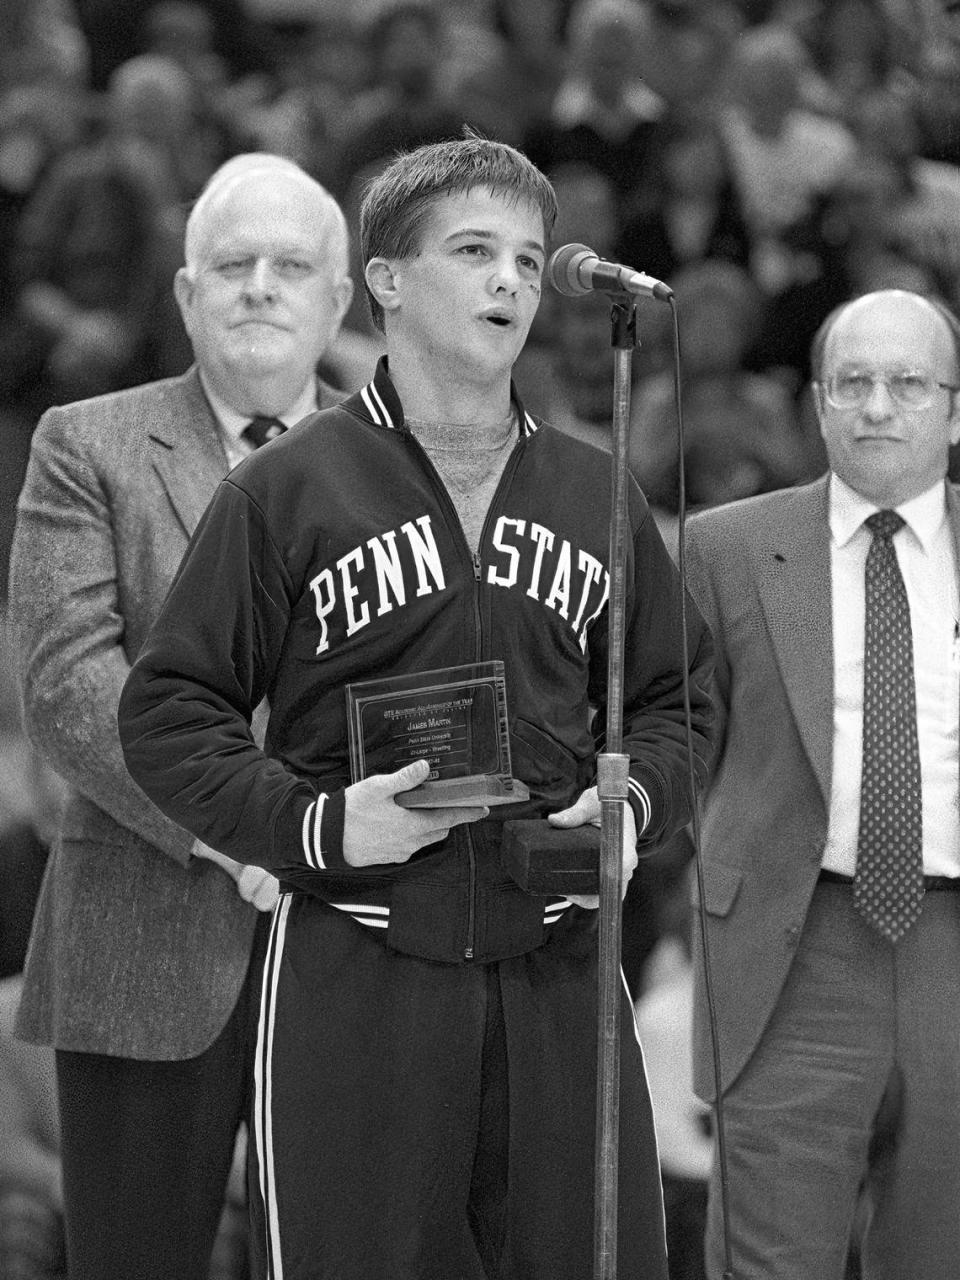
767, 158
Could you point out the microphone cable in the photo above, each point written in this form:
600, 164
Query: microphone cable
721, 1153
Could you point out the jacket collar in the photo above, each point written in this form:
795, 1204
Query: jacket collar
379, 403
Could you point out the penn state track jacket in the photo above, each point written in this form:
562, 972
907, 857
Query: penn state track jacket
334, 555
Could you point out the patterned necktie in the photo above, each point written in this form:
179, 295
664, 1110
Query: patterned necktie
888, 885
260, 430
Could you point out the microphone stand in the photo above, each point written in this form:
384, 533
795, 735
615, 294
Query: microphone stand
612, 783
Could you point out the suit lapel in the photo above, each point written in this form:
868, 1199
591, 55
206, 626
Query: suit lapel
793, 575
186, 450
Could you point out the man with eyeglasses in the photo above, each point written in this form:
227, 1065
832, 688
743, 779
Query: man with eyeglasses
831, 841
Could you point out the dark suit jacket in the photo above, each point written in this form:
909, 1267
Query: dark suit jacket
760, 571
138, 950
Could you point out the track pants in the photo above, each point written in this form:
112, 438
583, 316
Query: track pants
423, 1121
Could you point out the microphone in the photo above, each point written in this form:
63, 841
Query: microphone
574, 270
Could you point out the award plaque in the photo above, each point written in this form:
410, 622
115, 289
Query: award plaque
455, 718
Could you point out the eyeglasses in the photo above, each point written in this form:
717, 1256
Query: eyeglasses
911, 389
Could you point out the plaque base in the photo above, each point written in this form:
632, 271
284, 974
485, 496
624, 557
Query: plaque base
478, 789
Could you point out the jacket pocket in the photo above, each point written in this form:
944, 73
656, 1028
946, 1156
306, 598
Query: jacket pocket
720, 887
545, 765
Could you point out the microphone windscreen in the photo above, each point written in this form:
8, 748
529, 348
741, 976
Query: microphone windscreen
563, 269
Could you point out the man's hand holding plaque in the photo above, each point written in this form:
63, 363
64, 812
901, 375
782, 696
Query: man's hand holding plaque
375, 831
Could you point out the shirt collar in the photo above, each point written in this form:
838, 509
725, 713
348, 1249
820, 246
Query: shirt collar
378, 401
232, 422
923, 514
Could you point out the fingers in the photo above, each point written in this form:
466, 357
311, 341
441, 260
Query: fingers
454, 817
578, 815
377, 830
585, 809
258, 887
426, 826
267, 894
405, 779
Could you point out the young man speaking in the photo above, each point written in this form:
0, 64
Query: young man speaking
426, 1070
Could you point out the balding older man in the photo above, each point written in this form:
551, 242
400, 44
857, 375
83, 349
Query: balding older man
830, 834
145, 945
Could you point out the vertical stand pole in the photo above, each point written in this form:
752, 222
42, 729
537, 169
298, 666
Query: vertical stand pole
612, 779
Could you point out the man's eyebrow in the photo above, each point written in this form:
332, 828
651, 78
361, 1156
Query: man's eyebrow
476, 233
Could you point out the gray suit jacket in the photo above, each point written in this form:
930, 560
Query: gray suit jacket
138, 950
760, 571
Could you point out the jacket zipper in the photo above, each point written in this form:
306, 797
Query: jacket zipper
471, 852
457, 525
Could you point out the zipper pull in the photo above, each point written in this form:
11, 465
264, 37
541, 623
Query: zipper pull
476, 566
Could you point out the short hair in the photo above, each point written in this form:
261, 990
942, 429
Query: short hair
818, 346
397, 202
250, 164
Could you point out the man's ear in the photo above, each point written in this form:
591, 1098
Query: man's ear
955, 417
382, 283
816, 390
344, 296
183, 291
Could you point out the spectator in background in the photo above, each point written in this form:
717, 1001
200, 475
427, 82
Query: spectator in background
183, 31
684, 49
858, 49
603, 115
406, 104
918, 200
936, 87
38, 122
302, 110
505, 62
566, 374
145, 947
117, 32
96, 248
155, 105
696, 212
740, 428
559, 378
786, 162
41, 40
857, 223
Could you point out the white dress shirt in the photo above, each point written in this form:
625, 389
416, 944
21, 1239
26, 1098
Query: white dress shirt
231, 423
925, 553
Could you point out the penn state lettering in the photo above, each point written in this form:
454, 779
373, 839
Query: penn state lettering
395, 568
551, 570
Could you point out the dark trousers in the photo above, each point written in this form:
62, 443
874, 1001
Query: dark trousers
847, 1117
425, 1121
146, 1149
